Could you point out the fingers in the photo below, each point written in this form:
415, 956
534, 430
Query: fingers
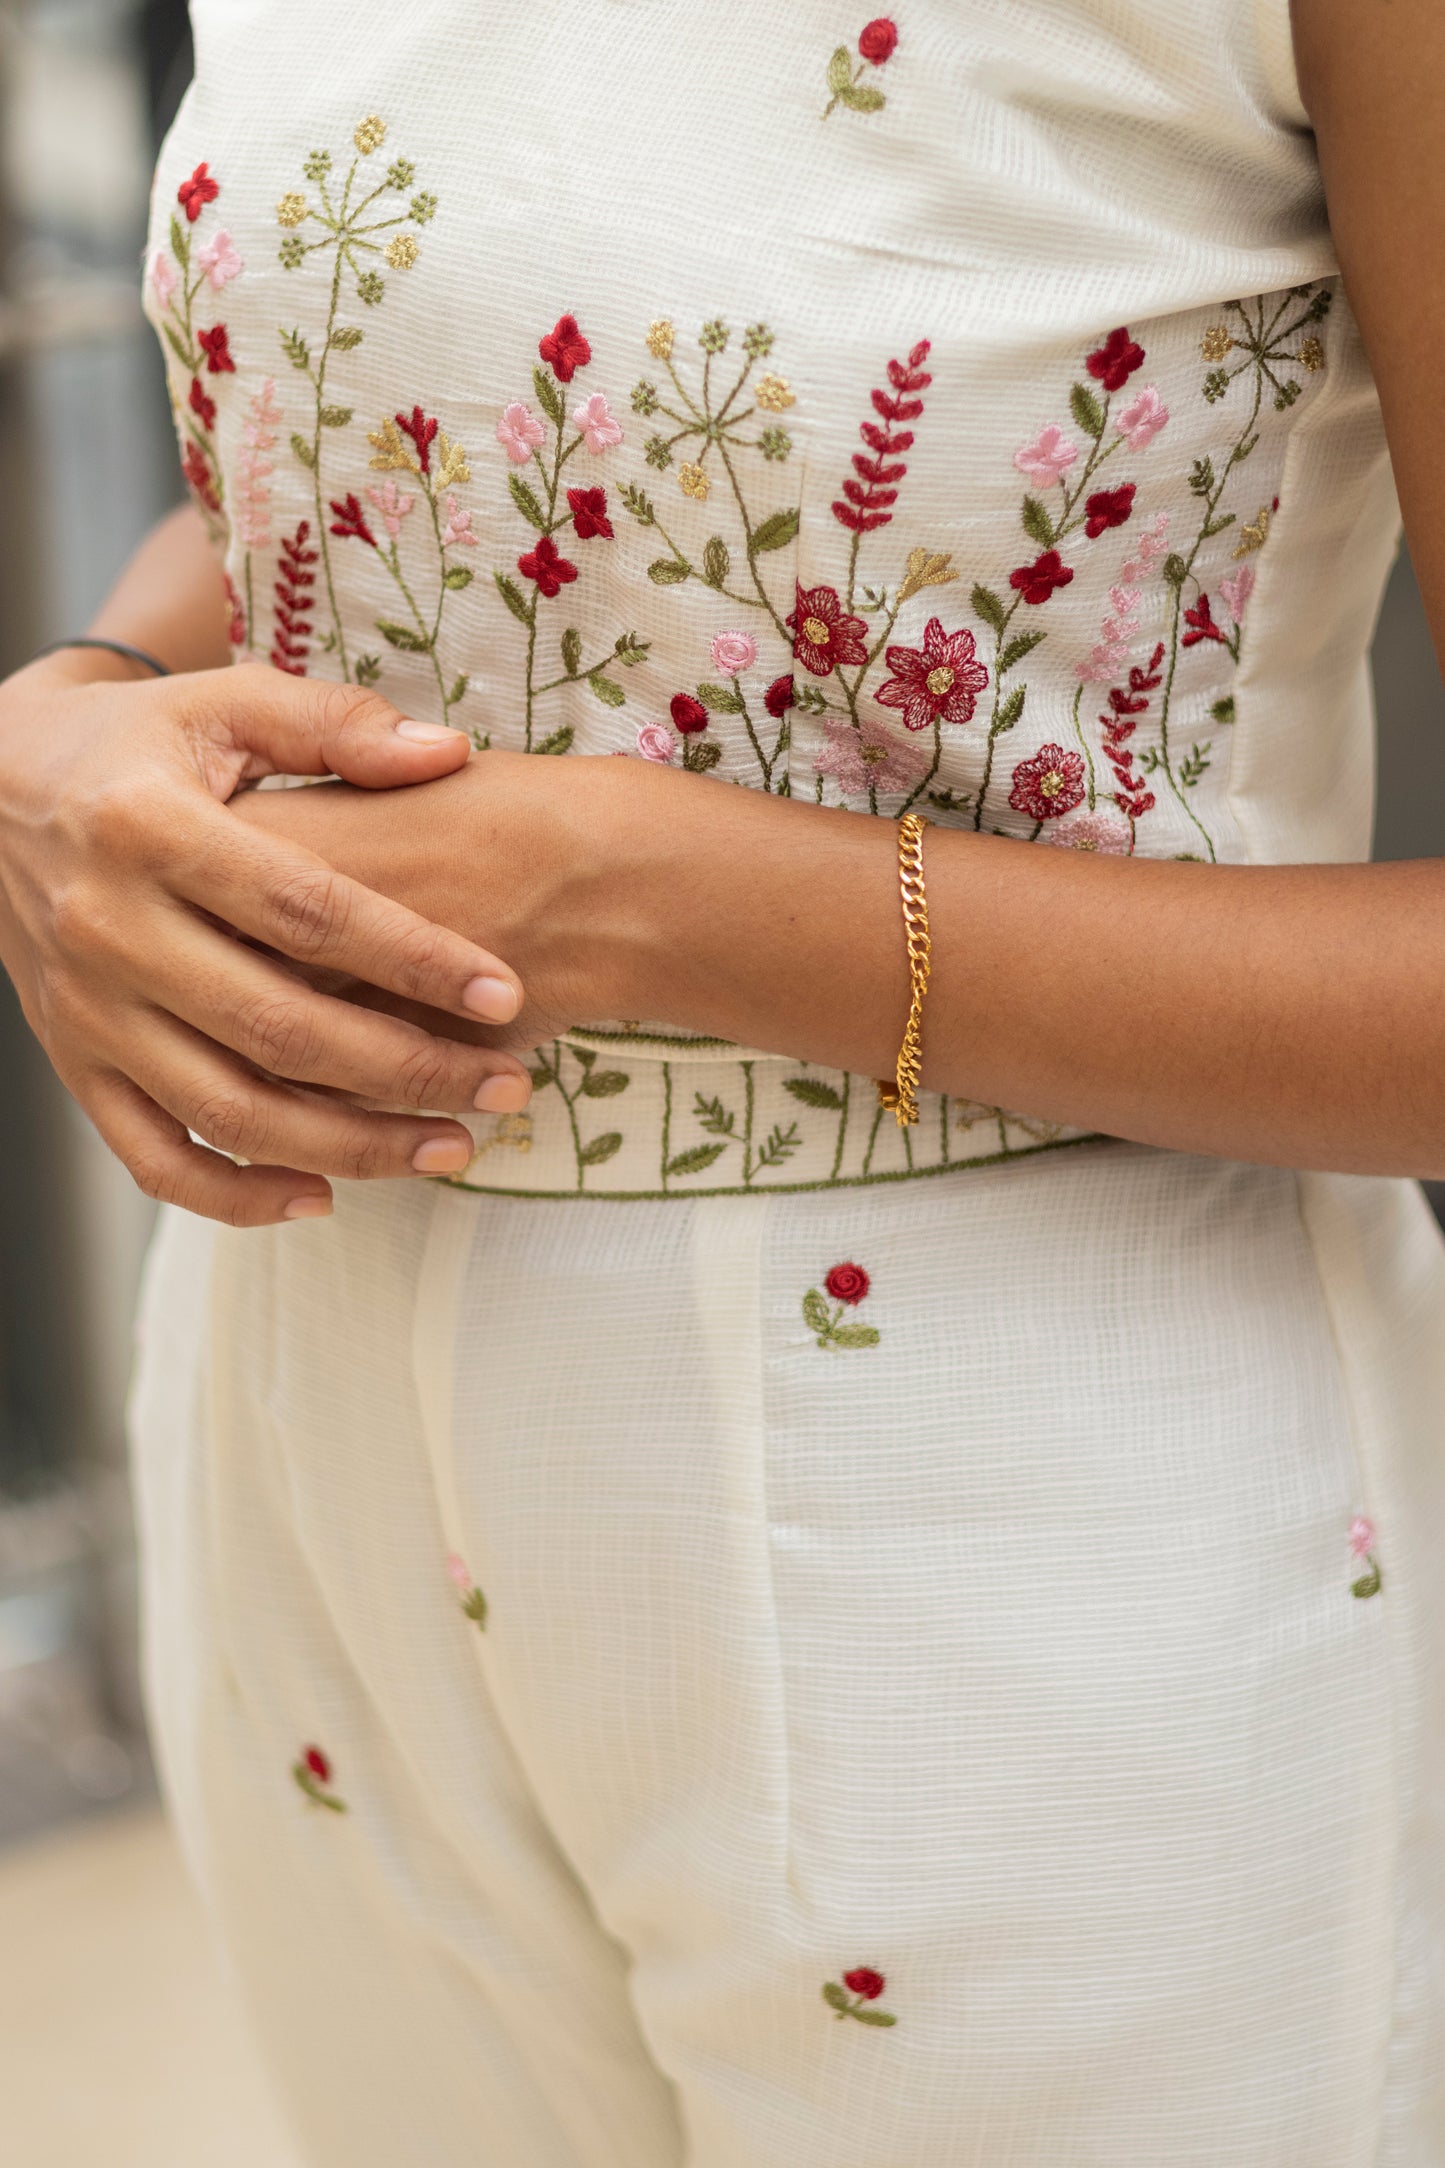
292, 901
255, 721
163, 1162
278, 1023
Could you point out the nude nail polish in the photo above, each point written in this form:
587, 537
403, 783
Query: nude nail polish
492, 999
312, 1207
503, 1095
426, 733
442, 1155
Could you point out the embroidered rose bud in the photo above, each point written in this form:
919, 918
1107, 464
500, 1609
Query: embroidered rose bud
779, 697
849, 1283
564, 349
733, 652
597, 423
656, 742
519, 432
688, 715
219, 260
193, 195
865, 1986
878, 40
1362, 1544
865, 1981
474, 1603
312, 1774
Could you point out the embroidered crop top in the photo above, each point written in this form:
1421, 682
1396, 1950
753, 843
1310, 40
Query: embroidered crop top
954, 411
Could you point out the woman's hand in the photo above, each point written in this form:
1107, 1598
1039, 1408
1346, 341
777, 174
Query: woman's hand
123, 871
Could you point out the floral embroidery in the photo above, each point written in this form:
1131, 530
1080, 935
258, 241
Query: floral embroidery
312, 1772
877, 43
193, 195
1362, 1546
868, 760
176, 281
824, 635
1081, 830
1048, 785
937, 683
474, 1603
295, 582
857, 1995
847, 1285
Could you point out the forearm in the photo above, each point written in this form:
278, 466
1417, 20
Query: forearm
170, 599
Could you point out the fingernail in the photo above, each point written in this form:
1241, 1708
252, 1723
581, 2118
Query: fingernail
427, 733
309, 1207
492, 999
503, 1095
442, 1155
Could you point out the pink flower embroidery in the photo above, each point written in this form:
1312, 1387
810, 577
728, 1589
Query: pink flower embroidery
1142, 419
656, 742
1110, 654
733, 652
519, 432
162, 274
392, 506
254, 468
937, 683
1048, 459
1362, 1544
474, 1603
1107, 833
1148, 545
1049, 785
867, 759
1237, 591
457, 533
219, 260
597, 423
458, 1569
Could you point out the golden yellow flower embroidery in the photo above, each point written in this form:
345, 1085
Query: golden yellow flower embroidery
659, 338
1216, 343
452, 464
370, 134
692, 479
1312, 355
774, 393
402, 251
1255, 533
926, 568
391, 453
291, 209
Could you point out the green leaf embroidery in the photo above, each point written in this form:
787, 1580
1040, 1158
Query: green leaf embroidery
778, 531
834, 1996
368, 669
302, 449
173, 341
526, 503
600, 1149
605, 1083
559, 742
1086, 410
987, 606
862, 97
814, 1093
548, 396
639, 504
335, 417
571, 650
180, 244
608, 692
512, 595
840, 71
1017, 649
1011, 710
873, 2017
716, 562
542, 1075
697, 1160
856, 1336
474, 1605
630, 651
700, 757
669, 571
456, 577
1037, 523
714, 1116
347, 336
721, 699
458, 691
402, 636
1223, 710
1175, 570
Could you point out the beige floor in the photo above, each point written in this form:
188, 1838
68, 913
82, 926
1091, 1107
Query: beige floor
119, 2040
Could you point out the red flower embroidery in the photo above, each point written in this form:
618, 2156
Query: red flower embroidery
547, 566
871, 490
779, 697
294, 582
312, 1772
238, 614
565, 349
1108, 508
879, 40
421, 430
1036, 582
198, 474
937, 683
1116, 360
1200, 621
1048, 785
202, 404
350, 520
865, 1986
865, 1982
193, 195
823, 634
688, 715
317, 1763
1127, 703
217, 349
589, 513
849, 1283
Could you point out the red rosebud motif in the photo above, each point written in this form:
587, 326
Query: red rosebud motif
1048, 785
547, 566
779, 697
1116, 360
317, 1763
193, 195
823, 634
202, 404
1200, 621
1108, 508
564, 349
850, 1283
350, 520
879, 40
1036, 582
688, 715
589, 513
866, 1982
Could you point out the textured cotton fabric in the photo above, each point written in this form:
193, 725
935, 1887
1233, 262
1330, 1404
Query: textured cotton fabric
699, 1647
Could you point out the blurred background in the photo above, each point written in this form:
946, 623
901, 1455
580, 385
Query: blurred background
114, 2024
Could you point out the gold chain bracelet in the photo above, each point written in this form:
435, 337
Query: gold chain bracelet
901, 1098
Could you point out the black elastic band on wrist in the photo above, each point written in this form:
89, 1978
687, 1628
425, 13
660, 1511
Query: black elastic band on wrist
112, 647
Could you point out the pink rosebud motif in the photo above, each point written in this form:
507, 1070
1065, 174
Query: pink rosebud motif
1362, 1536
1048, 459
1237, 591
1140, 422
457, 533
219, 260
1107, 833
474, 1603
459, 1571
392, 506
597, 423
519, 432
162, 275
733, 652
1362, 1545
656, 742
